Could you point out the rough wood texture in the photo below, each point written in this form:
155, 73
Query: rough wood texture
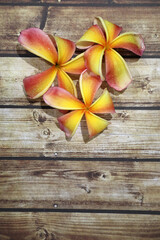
34, 132
143, 91
72, 189
15, 19
12, 19
79, 184
79, 226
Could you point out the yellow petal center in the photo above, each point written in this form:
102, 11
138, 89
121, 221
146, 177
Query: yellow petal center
57, 65
107, 47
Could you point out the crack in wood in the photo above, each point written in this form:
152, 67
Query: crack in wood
44, 17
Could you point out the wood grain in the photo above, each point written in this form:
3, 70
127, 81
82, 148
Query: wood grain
71, 190
79, 226
12, 19
79, 184
144, 90
15, 19
34, 132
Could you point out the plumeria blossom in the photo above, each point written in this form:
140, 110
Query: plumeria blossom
39, 43
101, 39
61, 99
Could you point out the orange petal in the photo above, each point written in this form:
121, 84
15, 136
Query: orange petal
89, 85
60, 98
70, 121
95, 124
117, 73
39, 43
35, 86
64, 81
76, 65
93, 59
93, 35
103, 104
111, 30
66, 49
131, 41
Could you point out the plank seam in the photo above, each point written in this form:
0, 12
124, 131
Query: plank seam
105, 211
109, 4
57, 4
48, 107
26, 55
116, 4
81, 159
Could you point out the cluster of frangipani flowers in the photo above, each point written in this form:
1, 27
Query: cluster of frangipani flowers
99, 40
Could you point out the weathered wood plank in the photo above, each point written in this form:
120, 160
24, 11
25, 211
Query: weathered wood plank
34, 132
71, 226
79, 185
75, 21
12, 19
143, 91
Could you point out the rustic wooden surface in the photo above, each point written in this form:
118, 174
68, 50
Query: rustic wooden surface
80, 184
79, 226
106, 188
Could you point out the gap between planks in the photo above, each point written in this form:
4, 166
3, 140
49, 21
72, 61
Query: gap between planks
100, 3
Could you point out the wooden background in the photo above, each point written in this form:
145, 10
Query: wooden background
106, 188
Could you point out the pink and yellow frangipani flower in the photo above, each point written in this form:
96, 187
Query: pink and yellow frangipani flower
61, 99
100, 40
39, 43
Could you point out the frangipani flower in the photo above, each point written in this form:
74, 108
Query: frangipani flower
39, 43
105, 35
59, 98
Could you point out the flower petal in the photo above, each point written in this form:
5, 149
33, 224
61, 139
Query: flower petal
117, 73
64, 81
103, 104
95, 124
35, 86
112, 30
89, 85
93, 35
93, 59
70, 121
66, 49
60, 98
130, 41
76, 65
39, 43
